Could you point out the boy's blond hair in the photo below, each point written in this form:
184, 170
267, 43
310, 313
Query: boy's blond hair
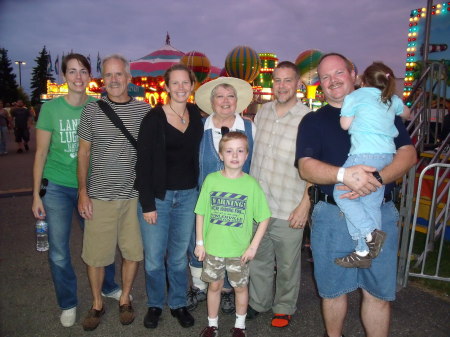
231, 136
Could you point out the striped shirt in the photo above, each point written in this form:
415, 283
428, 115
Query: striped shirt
274, 156
113, 158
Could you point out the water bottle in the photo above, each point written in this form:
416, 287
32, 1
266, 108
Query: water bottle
41, 236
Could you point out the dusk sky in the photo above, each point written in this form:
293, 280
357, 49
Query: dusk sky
363, 30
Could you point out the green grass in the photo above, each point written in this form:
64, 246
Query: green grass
440, 287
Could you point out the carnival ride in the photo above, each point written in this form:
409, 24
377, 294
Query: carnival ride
434, 95
425, 190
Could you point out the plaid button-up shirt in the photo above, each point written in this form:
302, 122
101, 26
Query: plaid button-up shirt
274, 156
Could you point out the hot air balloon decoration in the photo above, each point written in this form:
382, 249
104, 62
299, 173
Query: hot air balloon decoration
307, 63
199, 64
243, 62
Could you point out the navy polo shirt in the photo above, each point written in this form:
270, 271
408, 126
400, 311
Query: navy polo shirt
321, 137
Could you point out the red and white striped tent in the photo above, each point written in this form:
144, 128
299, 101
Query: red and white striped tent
156, 63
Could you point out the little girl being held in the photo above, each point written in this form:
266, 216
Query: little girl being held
368, 114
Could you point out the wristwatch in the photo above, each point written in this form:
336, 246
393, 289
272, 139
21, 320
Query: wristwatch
377, 176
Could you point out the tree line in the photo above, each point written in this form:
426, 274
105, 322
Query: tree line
11, 92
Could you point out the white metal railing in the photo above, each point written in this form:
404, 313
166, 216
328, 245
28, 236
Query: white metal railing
425, 126
437, 223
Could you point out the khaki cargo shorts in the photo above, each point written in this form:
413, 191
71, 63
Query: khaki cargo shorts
114, 223
214, 270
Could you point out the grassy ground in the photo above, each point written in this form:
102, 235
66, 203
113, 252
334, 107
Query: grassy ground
436, 286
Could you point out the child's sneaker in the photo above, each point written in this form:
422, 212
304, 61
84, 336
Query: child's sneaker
237, 332
376, 243
194, 297
210, 331
201, 295
227, 305
354, 261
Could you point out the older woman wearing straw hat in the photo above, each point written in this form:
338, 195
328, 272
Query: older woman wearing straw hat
223, 99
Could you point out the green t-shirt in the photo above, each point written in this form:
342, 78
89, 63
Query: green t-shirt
229, 207
61, 119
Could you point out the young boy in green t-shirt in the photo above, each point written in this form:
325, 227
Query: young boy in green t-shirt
229, 202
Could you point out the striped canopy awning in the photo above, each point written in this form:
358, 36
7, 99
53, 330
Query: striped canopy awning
156, 63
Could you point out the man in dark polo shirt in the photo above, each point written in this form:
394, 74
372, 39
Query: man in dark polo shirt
322, 148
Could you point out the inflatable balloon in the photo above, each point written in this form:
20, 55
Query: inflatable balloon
243, 62
199, 64
307, 63
223, 73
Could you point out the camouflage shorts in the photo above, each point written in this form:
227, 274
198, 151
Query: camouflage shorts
214, 270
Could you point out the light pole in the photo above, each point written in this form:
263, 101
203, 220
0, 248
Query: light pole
20, 71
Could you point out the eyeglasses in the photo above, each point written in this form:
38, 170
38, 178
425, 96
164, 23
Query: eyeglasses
224, 130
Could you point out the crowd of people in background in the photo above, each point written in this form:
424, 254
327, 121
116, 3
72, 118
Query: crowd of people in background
214, 203
17, 117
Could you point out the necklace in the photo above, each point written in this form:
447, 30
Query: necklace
183, 121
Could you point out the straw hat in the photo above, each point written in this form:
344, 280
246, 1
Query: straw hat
243, 89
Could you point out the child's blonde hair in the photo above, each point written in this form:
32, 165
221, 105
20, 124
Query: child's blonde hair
230, 136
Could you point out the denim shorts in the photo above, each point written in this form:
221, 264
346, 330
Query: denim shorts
214, 270
330, 239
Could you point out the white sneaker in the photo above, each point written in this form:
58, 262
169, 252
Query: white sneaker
68, 317
116, 295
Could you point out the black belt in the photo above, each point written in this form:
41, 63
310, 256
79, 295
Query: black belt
330, 200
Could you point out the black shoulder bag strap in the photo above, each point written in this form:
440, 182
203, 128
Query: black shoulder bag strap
109, 112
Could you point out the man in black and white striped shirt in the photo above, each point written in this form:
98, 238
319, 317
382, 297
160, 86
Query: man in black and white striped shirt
107, 199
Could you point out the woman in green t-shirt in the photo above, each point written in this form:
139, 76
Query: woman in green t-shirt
55, 166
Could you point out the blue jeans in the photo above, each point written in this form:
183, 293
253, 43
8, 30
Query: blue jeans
3, 138
60, 202
165, 248
363, 214
330, 239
